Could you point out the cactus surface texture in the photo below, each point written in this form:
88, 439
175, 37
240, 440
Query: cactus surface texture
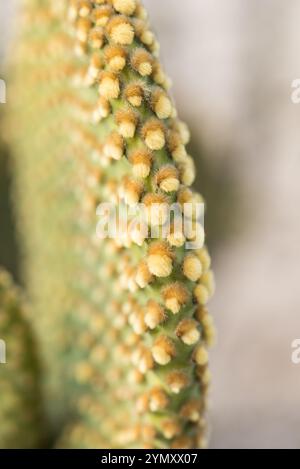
20, 401
122, 323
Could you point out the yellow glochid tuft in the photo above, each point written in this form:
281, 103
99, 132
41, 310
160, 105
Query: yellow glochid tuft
163, 350
120, 30
177, 381
167, 178
141, 161
201, 355
97, 38
154, 134
114, 146
127, 121
115, 57
131, 190
109, 85
192, 267
188, 331
142, 62
160, 259
125, 7
134, 94
176, 295
102, 14
191, 411
201, 294
143, 275
158, 400
84, 8
161, 104
154, 314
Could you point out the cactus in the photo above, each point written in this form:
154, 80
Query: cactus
122, 323
20, 403
42, 163
8, 247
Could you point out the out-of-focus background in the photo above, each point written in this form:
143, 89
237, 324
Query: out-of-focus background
232, 64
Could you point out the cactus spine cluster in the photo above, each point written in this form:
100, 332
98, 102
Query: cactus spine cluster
122, 323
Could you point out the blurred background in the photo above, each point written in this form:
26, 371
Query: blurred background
232, 64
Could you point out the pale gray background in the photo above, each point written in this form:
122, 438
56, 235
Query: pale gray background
232, 63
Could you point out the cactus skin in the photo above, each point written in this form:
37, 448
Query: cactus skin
126, 321
20, 404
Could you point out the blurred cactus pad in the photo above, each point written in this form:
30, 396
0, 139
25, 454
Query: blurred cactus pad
121, 324
20, 404
8, 244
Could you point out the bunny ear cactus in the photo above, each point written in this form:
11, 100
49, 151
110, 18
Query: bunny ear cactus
122, 322
20, 402
42, 63
155, 328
